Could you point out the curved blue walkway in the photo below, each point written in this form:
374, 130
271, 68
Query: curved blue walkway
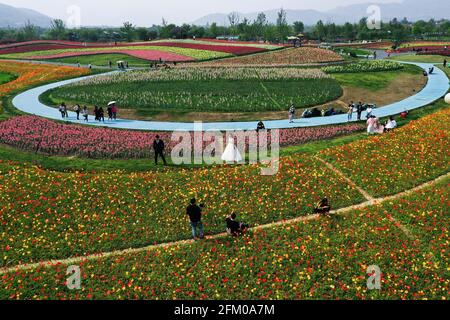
436, 88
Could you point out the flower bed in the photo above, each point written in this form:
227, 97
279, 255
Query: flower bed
297, 56
398, 160
80, 213
189, 53
150, 55
367, 66
36, 134
321, 259
32, 74
184, 90
235, 50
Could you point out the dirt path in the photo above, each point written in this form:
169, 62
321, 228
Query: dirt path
80, 259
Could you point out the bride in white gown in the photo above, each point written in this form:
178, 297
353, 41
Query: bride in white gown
231, 153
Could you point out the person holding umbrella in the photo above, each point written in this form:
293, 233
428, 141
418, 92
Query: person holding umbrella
114, 109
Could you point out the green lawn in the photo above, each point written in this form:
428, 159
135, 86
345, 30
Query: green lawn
6, 77
373, 80
419, 58
103, 60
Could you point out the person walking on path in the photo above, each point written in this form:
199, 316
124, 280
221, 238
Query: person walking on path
101, 114
114, 111
77, 110
351, 107
86, 114
110, 113
62, 110
96, 113
291, 114
359, 110
195, 216
158, 148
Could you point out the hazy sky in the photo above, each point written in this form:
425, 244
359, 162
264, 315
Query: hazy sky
147, 12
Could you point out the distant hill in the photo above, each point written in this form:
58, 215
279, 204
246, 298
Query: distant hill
17, 17
412, 9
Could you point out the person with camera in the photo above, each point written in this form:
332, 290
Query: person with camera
195, 216
235, 228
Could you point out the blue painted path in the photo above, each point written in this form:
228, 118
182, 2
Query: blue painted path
437, 86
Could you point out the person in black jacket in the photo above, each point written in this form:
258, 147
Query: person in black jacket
158, 147
235, 228
195, 216
359, 110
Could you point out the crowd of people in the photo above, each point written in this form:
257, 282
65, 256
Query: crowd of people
99, 112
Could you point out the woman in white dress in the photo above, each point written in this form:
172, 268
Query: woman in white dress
231, 153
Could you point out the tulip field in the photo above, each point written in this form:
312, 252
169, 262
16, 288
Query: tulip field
205, 90
320, 259
167, 50
101, 208
34, 134
385, 165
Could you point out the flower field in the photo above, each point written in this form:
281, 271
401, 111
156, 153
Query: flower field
398, 160
287, 57
151, 52
205, 90
367, 66
32, 74
48, 214
320, 259
36, 134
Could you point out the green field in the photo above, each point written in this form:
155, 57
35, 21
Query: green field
420, 58
6, 77
374, 80
213, 90
102, 60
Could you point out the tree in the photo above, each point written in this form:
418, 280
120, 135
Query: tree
259, 25
29, 32
143, 34
233, 19
57, 29
319, 30
128, 31
299, 27
282, 25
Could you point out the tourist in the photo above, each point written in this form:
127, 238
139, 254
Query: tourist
62, 110
195, 216
323, 207
260, 126
77, 110
114, 111
110, 113
359, 110
86, 114
431, 70
101, 114
378, 128
425, 73
445, 63
391, 124
404, 114
369, 111
110, 64
96, 113
371, 123
158, 148
351, 108
291, 114
235, 228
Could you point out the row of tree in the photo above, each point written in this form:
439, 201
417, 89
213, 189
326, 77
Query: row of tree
259, 29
